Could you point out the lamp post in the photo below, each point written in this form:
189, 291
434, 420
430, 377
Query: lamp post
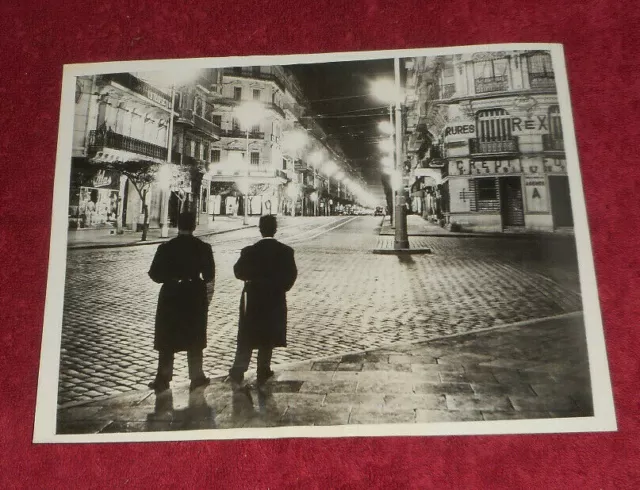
249, 113
390, 92
166, 189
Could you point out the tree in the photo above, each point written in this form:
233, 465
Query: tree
141, 174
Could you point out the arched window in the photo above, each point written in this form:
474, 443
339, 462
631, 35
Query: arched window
491, 75
493, 125
555, 123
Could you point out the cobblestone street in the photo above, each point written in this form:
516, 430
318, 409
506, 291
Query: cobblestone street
346, 299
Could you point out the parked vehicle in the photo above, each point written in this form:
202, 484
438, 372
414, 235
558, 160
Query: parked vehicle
379, 211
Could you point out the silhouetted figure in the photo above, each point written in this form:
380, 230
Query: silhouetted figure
185, 267
269, 270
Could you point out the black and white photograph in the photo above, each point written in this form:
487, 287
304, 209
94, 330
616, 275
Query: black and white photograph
324, 245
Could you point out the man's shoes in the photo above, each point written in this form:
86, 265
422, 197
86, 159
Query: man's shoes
236, 378
262, 378
199, 383
159, 385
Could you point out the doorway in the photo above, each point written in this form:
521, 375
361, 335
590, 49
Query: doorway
560, 201
511, 207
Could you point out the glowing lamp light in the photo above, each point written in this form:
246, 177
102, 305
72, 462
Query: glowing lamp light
385, 127
313, 196
339, 175
387, 162
316, 158
294, 140
386, 145
243, 186
329, 168
384, 90
249, 113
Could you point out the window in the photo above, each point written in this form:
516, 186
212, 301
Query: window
255, 158
284, 164
256, 95
555, 123
486, 194
540, 70
215, 156
197, 106
491, 75
235, 124
205, 151
188, 148
255, 128
255, 70
196, 151
237, 93
493, 125
216, 119
237, 69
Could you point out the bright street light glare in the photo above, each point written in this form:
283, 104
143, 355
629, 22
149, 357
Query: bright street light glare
387, 161
249, 113
384, 90
386, 145
316, 158
385, 127
329, 168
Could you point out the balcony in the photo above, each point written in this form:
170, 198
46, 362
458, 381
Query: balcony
198, 124
256, 171
491, 84
479, 147
181, 159
249, 73
108, 139
241, 133
542, 80
275, 108
552, 144
138, 86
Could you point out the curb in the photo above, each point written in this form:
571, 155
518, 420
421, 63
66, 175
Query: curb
393, 251
152, 242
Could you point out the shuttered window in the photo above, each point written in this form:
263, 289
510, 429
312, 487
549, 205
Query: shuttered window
494, 125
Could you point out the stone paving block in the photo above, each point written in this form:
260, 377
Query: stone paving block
431, 416
328, 387
490, 403
515, 415
538, 403
68, 427
384, 366
453, 377
352, 399
425, 402
305, 376
366, 386
364, 415
350, 366
499, 389
335, 415
357, 375
442, 388
325, 366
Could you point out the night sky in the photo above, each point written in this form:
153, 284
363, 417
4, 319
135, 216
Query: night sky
342, 103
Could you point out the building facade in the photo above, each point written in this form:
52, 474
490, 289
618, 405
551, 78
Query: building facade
493, 130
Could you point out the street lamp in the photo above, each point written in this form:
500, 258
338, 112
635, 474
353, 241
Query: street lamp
390, 92
248, 114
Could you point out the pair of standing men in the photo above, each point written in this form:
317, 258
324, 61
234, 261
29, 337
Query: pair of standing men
186, 269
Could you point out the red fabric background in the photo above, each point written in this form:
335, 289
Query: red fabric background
601, 38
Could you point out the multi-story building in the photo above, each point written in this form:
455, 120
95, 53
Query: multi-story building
496, 137
124, 119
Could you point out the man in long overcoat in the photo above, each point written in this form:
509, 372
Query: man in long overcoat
268, 269
185, 267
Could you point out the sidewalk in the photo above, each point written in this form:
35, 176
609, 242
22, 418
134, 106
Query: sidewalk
107, 238
418, 226
535, 369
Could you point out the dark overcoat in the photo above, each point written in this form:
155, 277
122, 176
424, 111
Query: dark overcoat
183, 265
269, 271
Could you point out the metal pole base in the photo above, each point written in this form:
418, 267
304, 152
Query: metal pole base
401, 241
164, 231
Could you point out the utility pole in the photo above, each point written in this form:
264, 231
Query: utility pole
401, 238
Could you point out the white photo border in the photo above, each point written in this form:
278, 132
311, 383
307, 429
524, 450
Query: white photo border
604, 418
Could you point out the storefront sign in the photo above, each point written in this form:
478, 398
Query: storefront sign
536, 194
553, 165
102, 179
460, 129
488, 167
156, 97
537, 124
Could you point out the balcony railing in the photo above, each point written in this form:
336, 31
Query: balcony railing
448, 90
254, 171
136, 85
248, 73
181, 159
275, 108
491, 84
542, 80
479, 147
109, 139
552, 144
241, 133
198, 123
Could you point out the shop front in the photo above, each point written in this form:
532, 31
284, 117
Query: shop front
94, 199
